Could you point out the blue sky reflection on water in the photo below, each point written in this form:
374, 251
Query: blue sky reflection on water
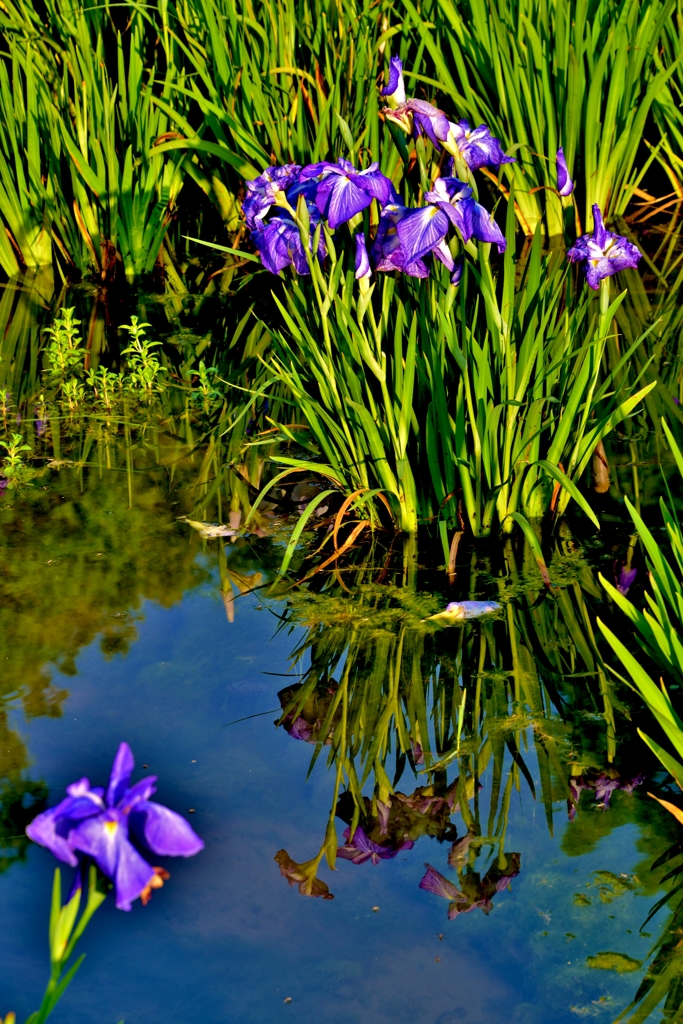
227, 939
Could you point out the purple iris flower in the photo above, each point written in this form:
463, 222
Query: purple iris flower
414, 116
342, 191
404, 236
100, 825
477, 147
454, 198
458, 267
262, 192
362, 848
603, 253
387, 252
362, 258
417, 117
279, 242
625, 576
4, 483
565, 185
420, 230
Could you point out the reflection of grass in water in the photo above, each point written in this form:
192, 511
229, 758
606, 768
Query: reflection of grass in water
592, 824
20, 801
74, 558
379, 608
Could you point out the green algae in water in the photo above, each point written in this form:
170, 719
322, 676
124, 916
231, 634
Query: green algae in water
619, 962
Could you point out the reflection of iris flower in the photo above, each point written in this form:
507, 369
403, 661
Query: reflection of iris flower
476, 893
303, 875
604, 785
105, 826
362, 848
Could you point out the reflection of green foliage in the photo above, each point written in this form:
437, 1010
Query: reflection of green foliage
19, 803
593, 824
609, 887
75, 561
619, 962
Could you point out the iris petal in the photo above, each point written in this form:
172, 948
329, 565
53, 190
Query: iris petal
120, 774
163, 831
421, 229
485, 228
395, 87
362, 260
133, 875
440, 886
339, 199
565, 185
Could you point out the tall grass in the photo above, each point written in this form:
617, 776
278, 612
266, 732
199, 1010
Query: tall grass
476, 408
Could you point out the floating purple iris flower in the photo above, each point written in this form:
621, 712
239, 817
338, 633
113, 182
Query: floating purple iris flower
362, 258
603, 253
362, 848
100, 825
279, 242
341, 191
262, 192
565, 185
477, 147
455, 199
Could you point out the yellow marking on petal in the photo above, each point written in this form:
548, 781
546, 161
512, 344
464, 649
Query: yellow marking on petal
111, 827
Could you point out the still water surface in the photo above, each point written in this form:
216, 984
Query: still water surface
116, 626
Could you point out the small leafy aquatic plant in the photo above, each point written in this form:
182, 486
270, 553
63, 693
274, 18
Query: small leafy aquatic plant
14, 470
145, 368
64, 353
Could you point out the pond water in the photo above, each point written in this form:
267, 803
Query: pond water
119, 621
